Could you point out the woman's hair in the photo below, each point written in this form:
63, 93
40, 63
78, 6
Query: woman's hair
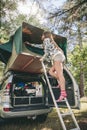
48, 34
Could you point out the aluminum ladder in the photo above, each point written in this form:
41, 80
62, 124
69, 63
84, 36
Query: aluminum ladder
60, 115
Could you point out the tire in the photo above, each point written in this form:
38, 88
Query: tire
41, 118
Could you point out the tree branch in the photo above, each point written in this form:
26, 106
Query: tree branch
65, 11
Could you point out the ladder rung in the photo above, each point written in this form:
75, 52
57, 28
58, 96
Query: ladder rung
54, 87
66, 114
75, 129
61, 101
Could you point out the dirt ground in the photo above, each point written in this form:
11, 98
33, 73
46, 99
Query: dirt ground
52, 122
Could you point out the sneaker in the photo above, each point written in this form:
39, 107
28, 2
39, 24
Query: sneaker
62, 96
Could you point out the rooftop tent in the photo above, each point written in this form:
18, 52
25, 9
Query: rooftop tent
32, 34
5, 51
25, 57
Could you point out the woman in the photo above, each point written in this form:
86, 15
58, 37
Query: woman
52, 50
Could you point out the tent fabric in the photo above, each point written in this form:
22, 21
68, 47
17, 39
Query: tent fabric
5, 51
4, 56
18, 40
35, 49
7, 46
31, 34
40, 51
63, 46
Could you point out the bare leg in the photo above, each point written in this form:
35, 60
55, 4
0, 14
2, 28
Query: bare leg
59, 73
52, 72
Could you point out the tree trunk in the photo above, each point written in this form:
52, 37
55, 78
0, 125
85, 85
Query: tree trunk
81, 85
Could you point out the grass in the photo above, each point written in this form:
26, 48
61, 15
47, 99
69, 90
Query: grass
52, 122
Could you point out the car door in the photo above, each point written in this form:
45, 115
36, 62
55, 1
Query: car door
71, 89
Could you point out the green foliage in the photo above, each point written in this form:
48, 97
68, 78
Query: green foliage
3, 35
75, 58
11, 19
8, 8
7, 5
2, 66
